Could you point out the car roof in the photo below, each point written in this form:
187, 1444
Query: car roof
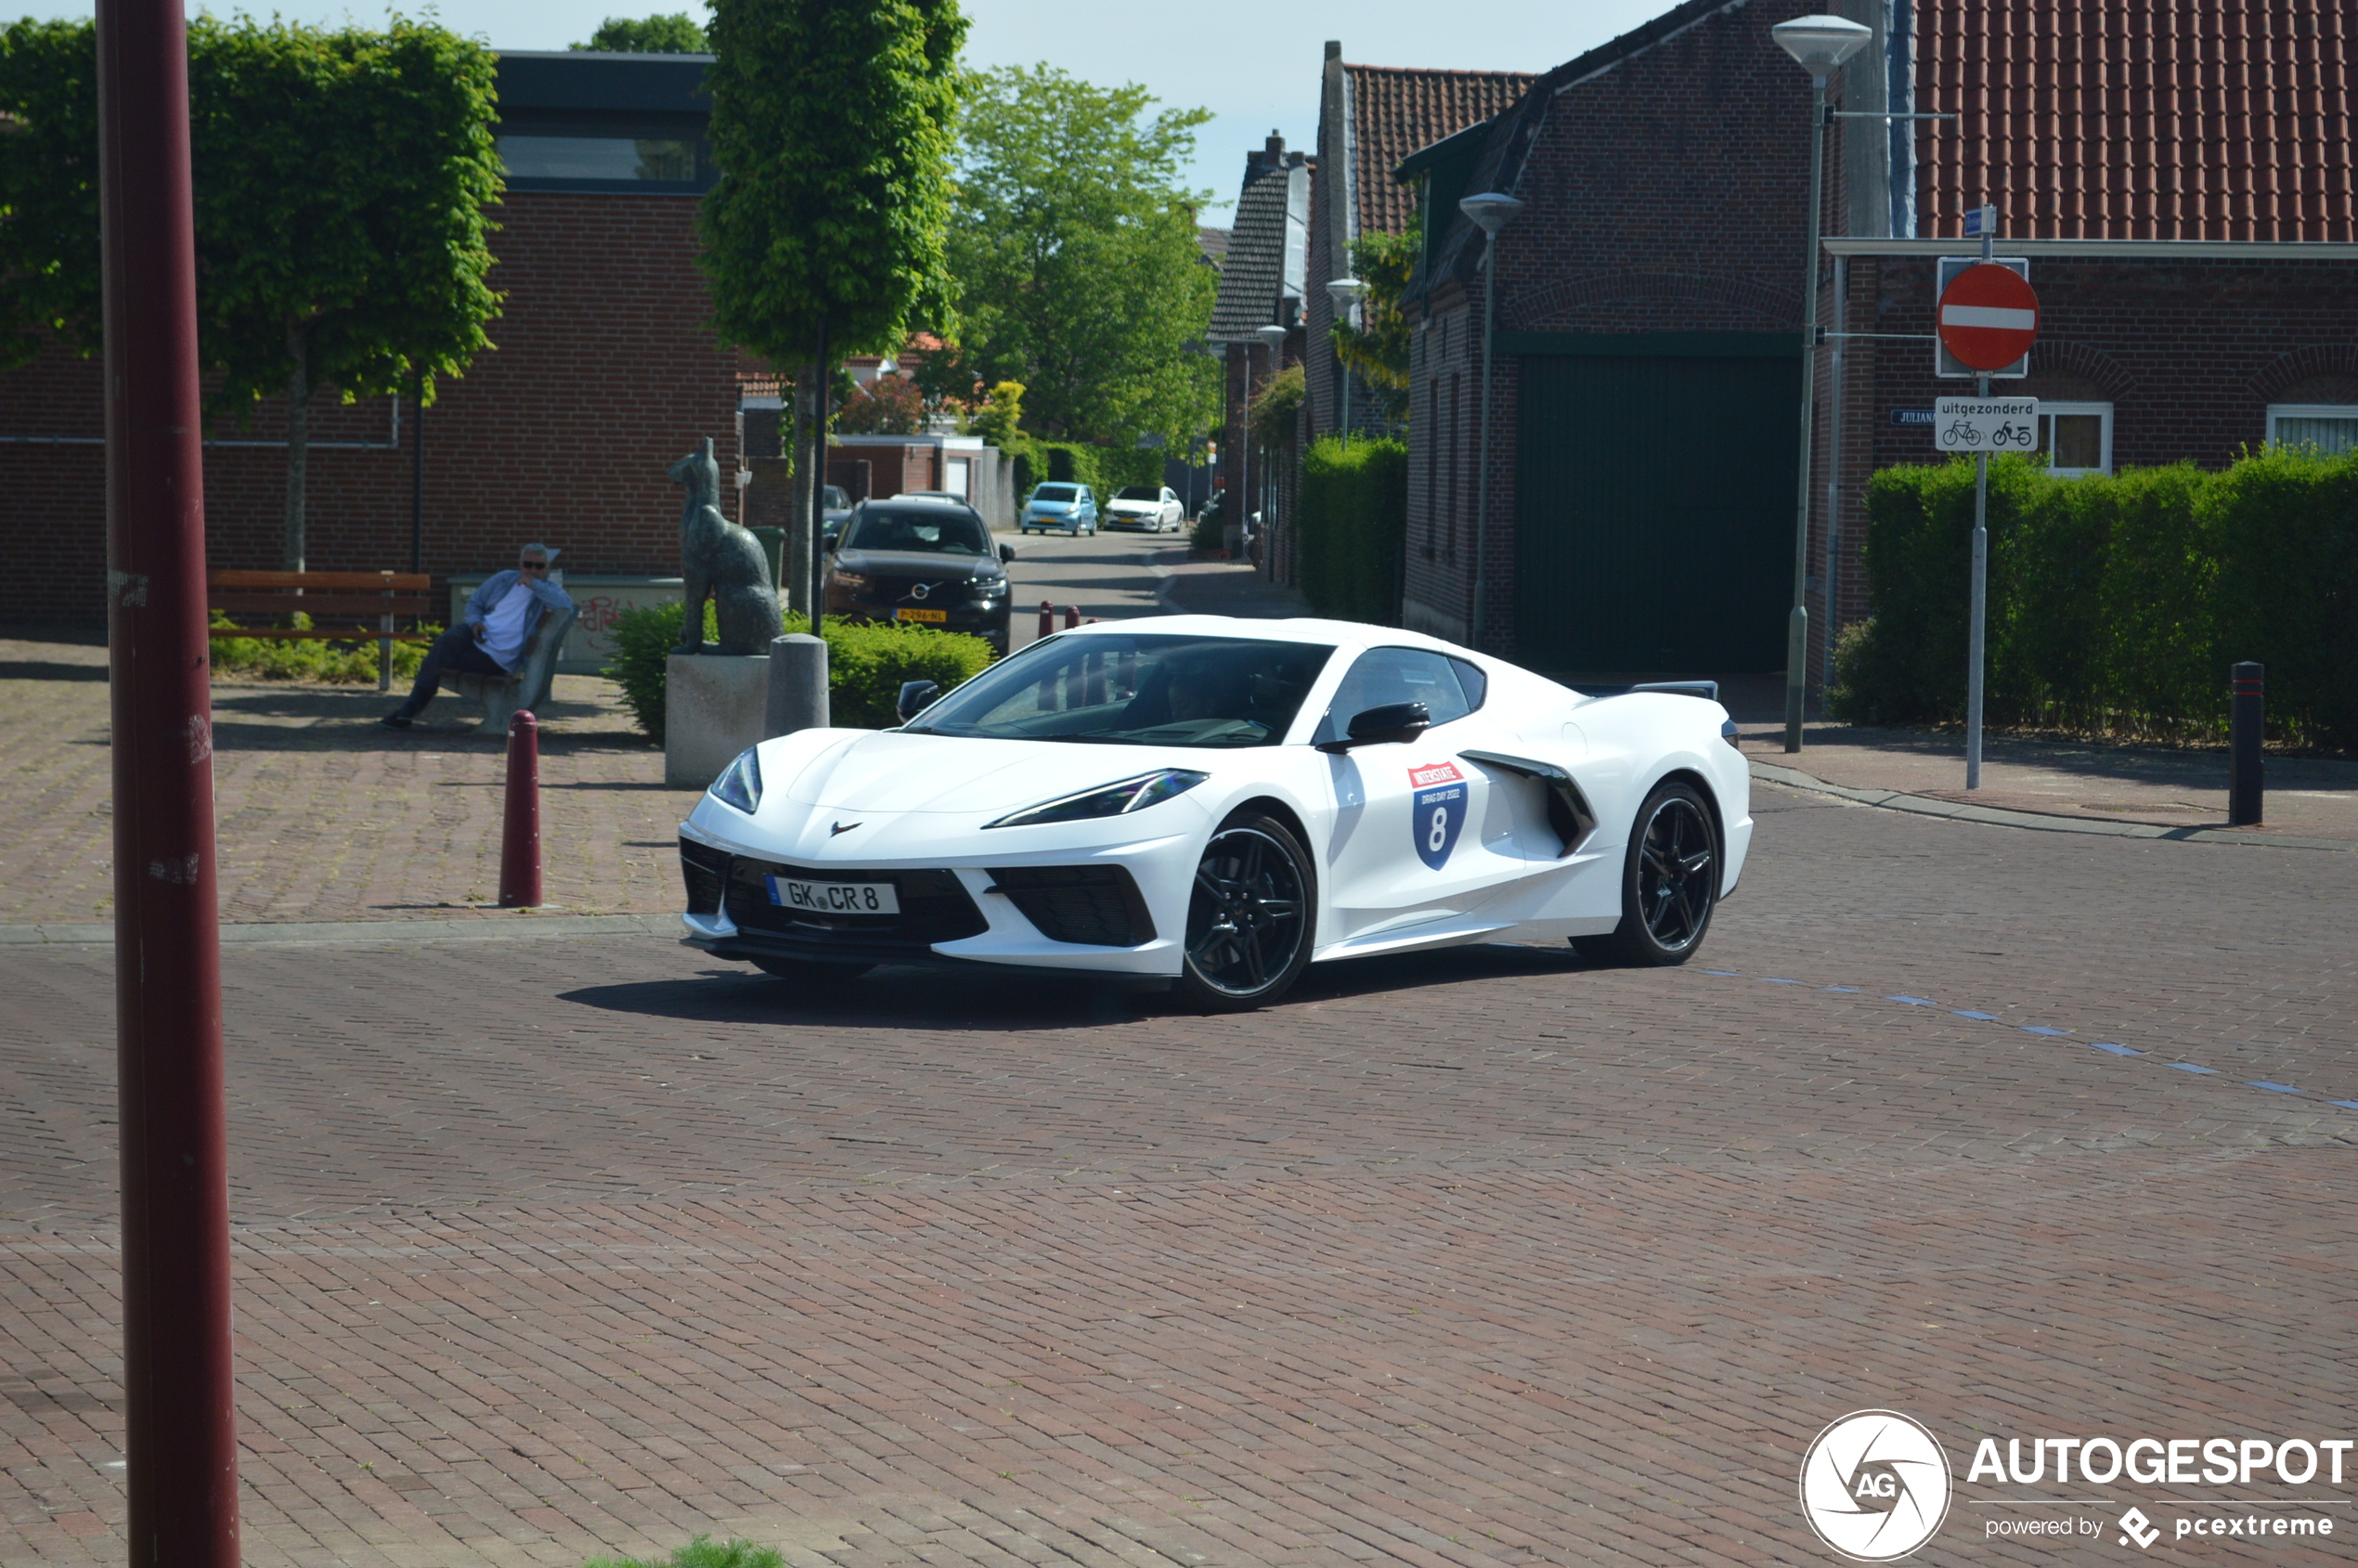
1304, 628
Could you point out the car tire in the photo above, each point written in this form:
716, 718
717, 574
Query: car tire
1252, 919
811, 972
1670, 883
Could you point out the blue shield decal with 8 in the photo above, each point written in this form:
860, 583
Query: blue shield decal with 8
1438, 813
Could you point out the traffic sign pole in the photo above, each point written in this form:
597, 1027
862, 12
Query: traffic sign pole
1976, 632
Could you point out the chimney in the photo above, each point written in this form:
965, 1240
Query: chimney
1334, 48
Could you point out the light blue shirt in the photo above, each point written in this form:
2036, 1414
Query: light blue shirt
494, 592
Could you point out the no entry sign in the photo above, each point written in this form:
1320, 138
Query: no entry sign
1988, 317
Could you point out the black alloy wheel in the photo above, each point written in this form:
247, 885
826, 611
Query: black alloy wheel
1249, 920
1669, 883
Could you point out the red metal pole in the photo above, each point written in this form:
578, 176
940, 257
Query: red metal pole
1073, 618
1047, 617
179, 1396
520, 838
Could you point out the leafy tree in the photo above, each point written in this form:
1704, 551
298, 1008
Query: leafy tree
1377, 350
1075, 250
675, 34
887, 406
832, 124
340, 179
1000, 420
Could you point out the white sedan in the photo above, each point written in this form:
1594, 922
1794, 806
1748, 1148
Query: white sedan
1154, 508
1217, 803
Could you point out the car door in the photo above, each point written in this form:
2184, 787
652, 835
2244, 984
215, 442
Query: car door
1421, 833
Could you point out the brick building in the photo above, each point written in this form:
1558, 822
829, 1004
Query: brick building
2178, 180
605, 370
1264, 276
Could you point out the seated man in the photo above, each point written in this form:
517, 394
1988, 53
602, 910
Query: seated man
490, 639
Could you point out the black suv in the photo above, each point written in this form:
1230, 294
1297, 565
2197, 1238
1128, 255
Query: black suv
930, 562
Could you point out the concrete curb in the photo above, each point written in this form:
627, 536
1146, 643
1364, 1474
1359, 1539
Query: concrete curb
2039, 822
371, 933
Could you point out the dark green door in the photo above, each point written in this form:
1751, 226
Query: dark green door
1654, 513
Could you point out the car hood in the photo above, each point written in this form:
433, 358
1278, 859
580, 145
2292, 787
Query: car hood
890, 771
1051, 506
916, 563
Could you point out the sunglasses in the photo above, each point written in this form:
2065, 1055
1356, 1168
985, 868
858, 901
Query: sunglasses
532, 566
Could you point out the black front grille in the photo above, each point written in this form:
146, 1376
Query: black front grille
934, 907
1091, 906
705, 871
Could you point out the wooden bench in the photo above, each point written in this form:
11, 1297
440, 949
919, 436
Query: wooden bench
372, 598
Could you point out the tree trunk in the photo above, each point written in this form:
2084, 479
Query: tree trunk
820, 371
797, 588
298, 439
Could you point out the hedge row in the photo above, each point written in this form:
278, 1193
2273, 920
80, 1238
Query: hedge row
1103, 469
1351, 528
352, 663
867, 661
2116, 604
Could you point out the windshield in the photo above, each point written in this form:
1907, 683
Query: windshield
1112, 688
837, 499
937, 529
1139, 493
1053, 493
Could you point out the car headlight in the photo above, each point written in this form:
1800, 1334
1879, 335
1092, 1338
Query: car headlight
740, 783
1107, 800
857, 582
989, 587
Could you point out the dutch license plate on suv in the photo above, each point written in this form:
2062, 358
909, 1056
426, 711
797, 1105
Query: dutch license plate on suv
835, 898
931, 617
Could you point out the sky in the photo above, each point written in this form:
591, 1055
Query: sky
1255, 65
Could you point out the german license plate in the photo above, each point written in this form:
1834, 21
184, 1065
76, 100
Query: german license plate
933, 618
835, 898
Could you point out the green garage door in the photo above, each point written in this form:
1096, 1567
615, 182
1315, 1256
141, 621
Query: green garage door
1655, 504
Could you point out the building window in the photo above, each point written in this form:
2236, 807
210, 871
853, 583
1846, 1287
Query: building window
2076, 437
608, 162
2329, 427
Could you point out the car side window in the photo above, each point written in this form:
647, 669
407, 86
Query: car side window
1383, 676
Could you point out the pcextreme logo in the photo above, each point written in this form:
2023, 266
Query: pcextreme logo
1875, 1485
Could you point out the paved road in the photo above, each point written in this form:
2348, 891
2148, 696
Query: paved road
1107, 574
1477, 1258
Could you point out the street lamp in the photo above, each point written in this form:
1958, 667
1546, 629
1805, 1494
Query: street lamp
1819, 44
1275, 337
1346, 292
1490, 212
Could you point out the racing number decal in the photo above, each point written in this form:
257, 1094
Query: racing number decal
1439, 811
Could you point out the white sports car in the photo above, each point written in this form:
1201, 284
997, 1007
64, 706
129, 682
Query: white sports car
1218, 803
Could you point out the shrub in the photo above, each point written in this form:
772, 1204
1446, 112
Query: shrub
1351, 528
2116, 604
867, 661
338, 663
702, 1552
1209, 537
1103, 469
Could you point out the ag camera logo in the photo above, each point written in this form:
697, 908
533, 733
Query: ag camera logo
1875, 1485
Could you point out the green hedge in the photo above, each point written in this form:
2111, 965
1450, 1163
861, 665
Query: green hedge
339, 663
1103, 469
2116, 604
1351, 528
867, 661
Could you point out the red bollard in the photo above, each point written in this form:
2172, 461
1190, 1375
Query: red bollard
1047, 617
1073, 618
520, 838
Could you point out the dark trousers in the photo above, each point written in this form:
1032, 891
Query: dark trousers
455, 649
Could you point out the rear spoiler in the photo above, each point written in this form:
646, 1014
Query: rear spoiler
1707, 690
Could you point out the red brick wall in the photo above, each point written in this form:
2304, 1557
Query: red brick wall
606, 370
1669, 193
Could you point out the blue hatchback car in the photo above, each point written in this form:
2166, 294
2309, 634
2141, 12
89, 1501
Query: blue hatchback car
1062, 506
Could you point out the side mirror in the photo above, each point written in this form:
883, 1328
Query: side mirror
1393, 722
1006, 553
915, 697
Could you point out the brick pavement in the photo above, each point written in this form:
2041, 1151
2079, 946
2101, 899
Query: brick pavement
322, 814
2306, 796
1473, 1258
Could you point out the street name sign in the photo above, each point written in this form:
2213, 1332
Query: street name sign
1984, 424
1947, 271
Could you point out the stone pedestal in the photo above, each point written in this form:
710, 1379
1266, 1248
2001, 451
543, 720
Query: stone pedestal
714, 708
